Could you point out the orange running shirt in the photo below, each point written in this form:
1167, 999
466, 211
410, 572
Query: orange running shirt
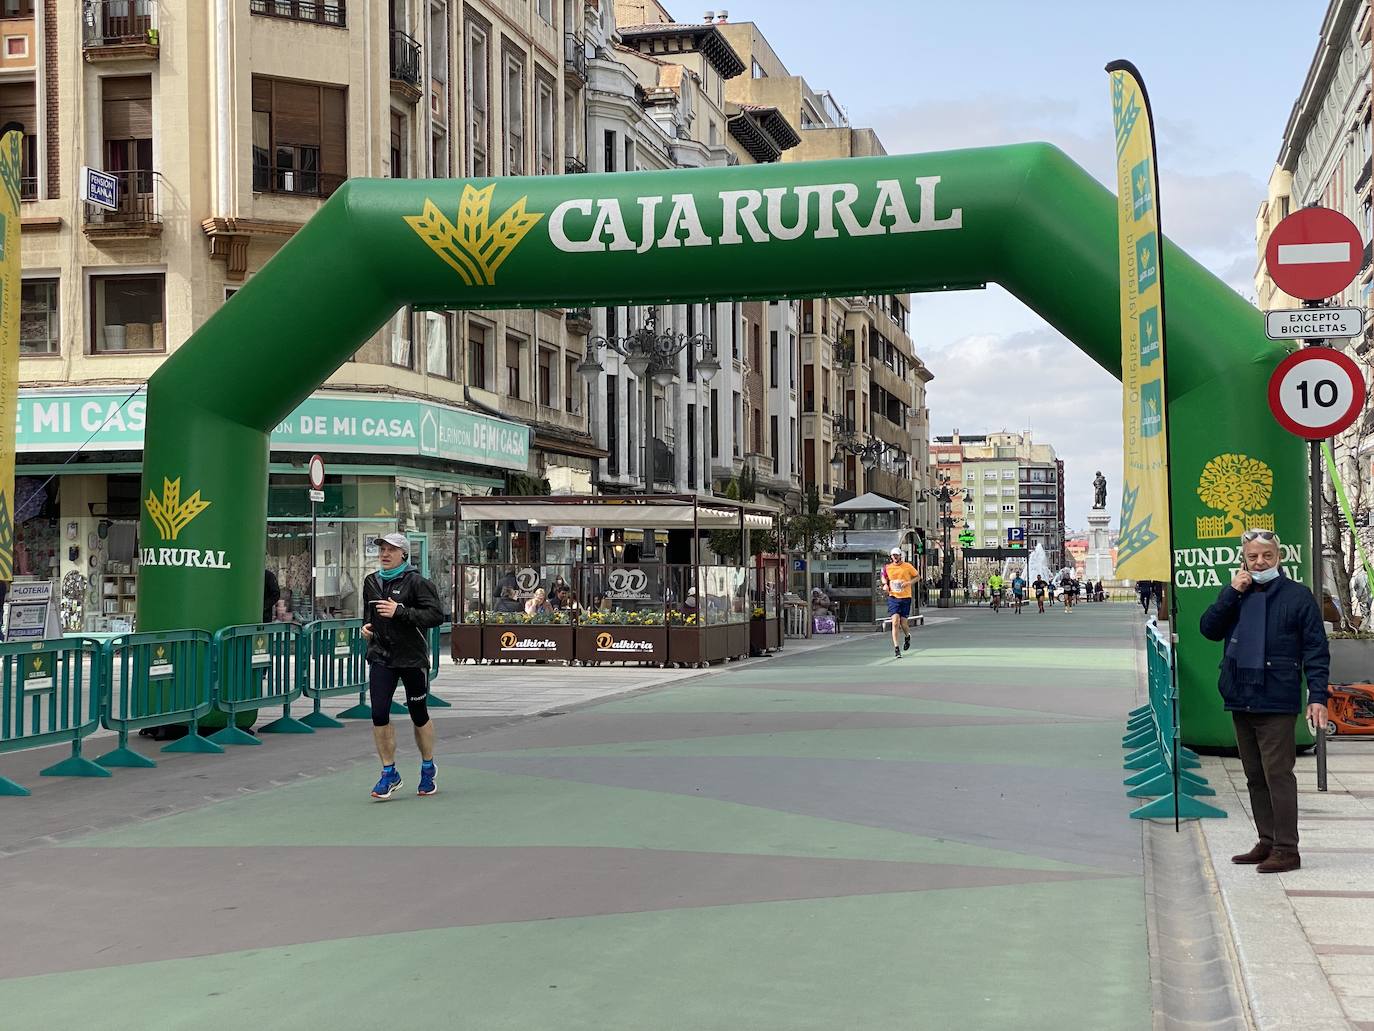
900, 576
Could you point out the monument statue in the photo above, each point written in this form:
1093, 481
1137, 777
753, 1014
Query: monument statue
1099, 490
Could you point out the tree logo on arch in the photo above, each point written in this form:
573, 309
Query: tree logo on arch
1239, 486
476, 247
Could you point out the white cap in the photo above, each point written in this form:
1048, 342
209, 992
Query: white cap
896, 551
396, 540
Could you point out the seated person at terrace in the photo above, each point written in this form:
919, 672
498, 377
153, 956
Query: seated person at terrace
508, 602
539, 604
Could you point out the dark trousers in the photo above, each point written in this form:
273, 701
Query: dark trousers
1268, 748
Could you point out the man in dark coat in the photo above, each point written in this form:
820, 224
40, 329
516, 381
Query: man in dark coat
1274, 634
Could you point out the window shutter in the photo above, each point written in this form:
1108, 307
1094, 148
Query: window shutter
334, 133
296, 114
127, 107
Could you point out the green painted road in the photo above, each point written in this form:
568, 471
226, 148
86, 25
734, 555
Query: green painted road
825, 841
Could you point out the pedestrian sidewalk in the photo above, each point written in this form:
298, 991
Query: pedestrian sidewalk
1305, 940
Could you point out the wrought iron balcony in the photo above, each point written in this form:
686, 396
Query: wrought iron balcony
405, 65
575, 55
119, 29
578, 320
138, 212
303, 182
572, 166
321, 12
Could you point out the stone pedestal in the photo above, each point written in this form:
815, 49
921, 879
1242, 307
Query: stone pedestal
1098, 564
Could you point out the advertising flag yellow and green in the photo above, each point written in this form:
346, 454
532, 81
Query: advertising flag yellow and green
11, 146
1143, 544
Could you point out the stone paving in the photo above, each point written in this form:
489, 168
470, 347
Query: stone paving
823, 840
1305, 940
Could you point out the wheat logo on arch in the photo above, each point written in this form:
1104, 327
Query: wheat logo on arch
170, 514
1239, 486
475, 247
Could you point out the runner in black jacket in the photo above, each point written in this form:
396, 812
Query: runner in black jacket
400, 606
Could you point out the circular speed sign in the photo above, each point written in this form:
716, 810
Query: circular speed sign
1316, 392
316, 472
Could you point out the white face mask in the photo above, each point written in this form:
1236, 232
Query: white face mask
1265, 576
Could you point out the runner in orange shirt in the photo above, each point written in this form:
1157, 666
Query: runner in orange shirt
899, 577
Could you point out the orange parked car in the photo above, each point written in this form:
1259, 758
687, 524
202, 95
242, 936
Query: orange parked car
1350, 710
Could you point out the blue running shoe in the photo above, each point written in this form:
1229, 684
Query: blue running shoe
386, 787
427, 787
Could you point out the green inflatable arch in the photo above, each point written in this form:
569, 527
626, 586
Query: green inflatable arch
1023, 216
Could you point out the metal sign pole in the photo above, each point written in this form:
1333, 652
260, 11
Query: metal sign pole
314, 568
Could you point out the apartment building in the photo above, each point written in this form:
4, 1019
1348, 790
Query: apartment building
227, 124
1014, 481
1325, 159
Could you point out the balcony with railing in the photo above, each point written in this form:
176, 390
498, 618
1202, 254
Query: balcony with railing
299, 179
319, 12
578, 320
574, 166
119, 30
575, 56
137, 213
405, 66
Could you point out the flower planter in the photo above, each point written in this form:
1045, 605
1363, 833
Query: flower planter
696, 645
520, 641
737, 640
758, 636
466, 642
614, 643
1352, 660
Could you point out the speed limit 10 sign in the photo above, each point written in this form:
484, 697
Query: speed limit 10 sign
1316, 392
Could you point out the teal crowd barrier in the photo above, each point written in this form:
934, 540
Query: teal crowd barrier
51, 692
435, 650
336, 664
257, 666
1161, 767
157, 678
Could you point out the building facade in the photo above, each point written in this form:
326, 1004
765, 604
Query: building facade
1325, 159
227, 124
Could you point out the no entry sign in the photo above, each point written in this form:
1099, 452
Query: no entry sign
1316, 393
1314, 253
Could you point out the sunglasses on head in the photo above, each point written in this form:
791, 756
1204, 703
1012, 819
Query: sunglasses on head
1258, 535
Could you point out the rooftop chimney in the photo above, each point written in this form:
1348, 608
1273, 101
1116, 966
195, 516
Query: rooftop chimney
710, 17
722, 17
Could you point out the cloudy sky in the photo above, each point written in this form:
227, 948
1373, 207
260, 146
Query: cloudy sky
1222, 75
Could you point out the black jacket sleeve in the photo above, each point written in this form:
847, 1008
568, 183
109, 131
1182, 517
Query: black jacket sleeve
424, 609
1316, 652
1220, 618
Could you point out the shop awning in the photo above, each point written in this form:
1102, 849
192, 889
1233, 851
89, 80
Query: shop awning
660, 512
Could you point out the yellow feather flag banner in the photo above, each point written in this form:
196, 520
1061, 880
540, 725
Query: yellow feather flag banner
11, 149
1143, 543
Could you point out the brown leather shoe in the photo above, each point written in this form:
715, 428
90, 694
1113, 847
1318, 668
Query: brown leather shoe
1280, 862
1258, 854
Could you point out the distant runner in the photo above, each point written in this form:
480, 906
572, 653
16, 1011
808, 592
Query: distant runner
899, 576
1018, 592
1039, 587
995, 586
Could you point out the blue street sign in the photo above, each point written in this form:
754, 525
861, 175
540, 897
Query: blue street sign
100, 188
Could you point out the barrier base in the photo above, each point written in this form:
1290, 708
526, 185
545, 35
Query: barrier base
1188, 809
1164, 784
232, 735
1145, 761
10, 788
320, 721
1146, 775
75, 766
435, 702
286, 725
193, 742
358, 712
125, 757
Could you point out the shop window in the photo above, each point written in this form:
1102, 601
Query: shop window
127, 313
300, 137
477, 356
38, 321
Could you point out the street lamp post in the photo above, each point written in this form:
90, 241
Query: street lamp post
651, 356
944, 497
869, 452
